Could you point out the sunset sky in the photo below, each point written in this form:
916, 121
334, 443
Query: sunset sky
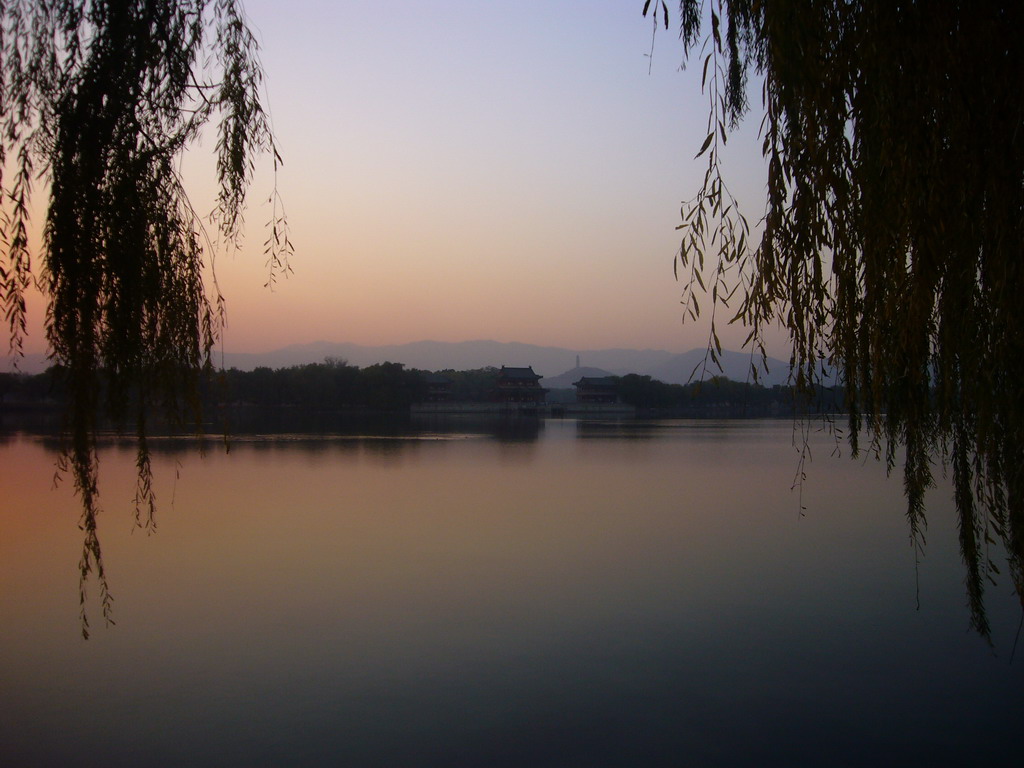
475, 170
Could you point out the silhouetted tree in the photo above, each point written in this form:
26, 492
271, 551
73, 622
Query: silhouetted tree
892, 241
100, 98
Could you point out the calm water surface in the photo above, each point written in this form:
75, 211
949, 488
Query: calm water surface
553, 593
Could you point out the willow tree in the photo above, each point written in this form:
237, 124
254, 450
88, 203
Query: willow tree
891, 247
99, 99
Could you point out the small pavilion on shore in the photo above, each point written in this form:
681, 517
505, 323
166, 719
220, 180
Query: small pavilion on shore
519, 385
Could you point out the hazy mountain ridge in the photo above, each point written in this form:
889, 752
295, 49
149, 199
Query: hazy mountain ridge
549, 362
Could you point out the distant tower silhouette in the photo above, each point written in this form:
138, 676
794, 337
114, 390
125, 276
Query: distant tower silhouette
577, 361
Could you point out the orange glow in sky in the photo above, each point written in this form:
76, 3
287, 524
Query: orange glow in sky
464, 170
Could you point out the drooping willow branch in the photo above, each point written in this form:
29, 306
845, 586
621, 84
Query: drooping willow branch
893, 237
101, 98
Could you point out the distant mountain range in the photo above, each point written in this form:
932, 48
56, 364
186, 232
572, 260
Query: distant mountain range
553, 363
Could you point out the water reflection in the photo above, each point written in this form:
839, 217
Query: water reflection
388, 436
597, 594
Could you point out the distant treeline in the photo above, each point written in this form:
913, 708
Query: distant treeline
332, 384
335, 385
721, 396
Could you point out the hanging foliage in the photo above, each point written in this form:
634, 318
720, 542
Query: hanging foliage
893, 136
99, 99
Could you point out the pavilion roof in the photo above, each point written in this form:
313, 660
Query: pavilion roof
518, 373
595, 381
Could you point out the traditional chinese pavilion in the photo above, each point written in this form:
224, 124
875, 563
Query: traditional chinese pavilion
597, 389
519, 385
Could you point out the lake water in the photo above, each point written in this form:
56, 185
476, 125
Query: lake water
553, 593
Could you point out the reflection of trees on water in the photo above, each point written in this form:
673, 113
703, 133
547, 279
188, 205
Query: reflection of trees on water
518, 429
640, 429
39, 421
657, 429
317, 433
308, 421
620, 429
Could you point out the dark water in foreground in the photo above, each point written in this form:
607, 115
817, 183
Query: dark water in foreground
554, 594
